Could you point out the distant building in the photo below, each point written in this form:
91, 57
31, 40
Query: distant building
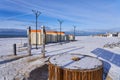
109, 35
115, 34
102, 35
69, 37
118, 34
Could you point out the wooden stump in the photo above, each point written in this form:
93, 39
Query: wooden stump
61, 71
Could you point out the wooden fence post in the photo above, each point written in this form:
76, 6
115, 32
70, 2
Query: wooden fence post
43, 33
29, 40
14, 49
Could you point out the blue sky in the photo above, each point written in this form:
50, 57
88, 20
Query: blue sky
85, 14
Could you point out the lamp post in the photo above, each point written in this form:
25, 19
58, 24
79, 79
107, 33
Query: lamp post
37, 13
60, 22
74, 32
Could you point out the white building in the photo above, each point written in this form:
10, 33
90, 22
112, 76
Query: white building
51, 36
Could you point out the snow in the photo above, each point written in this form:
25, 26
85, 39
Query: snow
85, 45
85, 62
6, 44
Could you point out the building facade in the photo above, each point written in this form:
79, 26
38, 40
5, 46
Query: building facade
51, 37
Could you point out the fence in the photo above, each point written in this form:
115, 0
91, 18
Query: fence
19, 48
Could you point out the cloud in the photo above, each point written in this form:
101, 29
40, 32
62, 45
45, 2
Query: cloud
87, 14
14, 24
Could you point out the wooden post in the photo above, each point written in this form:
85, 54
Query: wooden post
43, 33
14, 49
29, 40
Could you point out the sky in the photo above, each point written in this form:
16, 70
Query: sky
84, 14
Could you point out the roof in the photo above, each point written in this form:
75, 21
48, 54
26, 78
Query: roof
49, 32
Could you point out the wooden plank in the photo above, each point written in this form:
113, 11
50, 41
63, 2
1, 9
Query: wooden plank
57, 73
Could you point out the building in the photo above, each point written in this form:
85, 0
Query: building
69, 37
62, 34
118, 34
33, 37
51, 37
109, 35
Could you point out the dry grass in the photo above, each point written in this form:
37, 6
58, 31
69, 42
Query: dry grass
33, 59
109, 78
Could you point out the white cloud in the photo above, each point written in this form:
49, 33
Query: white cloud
14, 24
84, 13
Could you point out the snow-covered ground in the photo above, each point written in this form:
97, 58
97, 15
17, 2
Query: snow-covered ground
86, 45
6, 44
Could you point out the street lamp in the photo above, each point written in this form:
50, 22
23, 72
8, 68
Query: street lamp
60, 22
74, 31
37, 13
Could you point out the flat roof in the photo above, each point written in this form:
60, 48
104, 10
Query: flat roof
49, 32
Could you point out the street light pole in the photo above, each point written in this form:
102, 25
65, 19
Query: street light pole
74, 32
37, 13
60, 22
